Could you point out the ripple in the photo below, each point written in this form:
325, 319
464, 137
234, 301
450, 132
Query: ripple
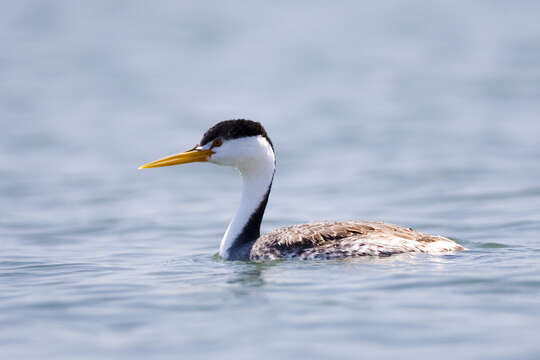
99, 260
492, 246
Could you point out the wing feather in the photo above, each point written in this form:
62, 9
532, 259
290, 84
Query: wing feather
325, 240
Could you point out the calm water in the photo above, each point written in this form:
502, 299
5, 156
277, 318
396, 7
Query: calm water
421, 113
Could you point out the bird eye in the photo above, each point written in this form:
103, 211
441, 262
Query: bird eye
217, 142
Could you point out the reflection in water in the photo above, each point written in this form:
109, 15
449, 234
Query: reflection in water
249, 274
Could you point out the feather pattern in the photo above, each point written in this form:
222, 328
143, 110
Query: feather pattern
334, 240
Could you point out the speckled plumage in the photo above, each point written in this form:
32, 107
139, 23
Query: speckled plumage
334, 240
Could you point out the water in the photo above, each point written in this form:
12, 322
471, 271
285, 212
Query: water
423, 114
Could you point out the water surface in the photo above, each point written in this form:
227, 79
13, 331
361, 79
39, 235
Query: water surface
422, 114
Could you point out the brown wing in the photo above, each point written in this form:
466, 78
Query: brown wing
326, 240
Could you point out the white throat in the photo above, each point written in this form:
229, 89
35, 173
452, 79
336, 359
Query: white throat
255, 160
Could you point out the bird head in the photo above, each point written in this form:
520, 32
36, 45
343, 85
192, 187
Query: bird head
242, 144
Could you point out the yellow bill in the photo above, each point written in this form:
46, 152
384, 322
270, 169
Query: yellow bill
182, 158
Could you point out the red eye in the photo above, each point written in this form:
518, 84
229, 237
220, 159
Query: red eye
217, 143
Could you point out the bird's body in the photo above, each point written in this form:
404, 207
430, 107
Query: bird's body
340, 239
245, 145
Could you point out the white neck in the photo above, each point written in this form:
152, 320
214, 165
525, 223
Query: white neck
257, 175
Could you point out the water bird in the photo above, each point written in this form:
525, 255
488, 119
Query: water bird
245, 145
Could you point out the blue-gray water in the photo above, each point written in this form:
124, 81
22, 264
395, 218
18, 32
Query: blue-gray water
419, 113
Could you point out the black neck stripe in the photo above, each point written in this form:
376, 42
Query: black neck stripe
241, 246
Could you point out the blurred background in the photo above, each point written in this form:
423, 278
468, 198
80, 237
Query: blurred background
420, 113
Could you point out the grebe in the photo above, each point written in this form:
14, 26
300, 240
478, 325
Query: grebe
245, 145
